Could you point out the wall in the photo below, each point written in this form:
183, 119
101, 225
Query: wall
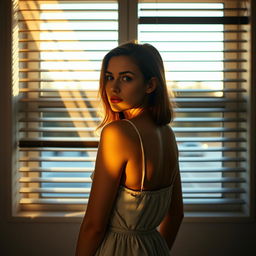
194, 239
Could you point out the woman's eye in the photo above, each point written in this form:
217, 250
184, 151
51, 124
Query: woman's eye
108, 78
126, 78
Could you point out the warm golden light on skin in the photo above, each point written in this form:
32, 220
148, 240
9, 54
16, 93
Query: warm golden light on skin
131, 113
107, 155
125, 80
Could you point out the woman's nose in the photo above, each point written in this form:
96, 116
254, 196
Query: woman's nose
115, 86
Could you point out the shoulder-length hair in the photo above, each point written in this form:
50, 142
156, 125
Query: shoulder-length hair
150, 63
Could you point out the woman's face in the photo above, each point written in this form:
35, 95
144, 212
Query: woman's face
124, 83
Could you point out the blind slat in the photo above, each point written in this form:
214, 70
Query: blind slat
87, 190
45, 10
93, 141
92, 129
169, 61
55, 159
88, 180
194, 20
92, 159
28, 31
55, 169
24, 50
106, 40
84, 169
85, 201
71, 40
96, 119
178, 100
178, 110
231, 90
65, 20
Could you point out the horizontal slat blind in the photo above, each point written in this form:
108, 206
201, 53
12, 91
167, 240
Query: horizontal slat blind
203, 46
62, 44
61, 48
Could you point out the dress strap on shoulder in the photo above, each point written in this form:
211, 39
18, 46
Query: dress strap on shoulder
142, 151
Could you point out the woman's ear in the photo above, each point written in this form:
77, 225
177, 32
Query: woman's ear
151, 85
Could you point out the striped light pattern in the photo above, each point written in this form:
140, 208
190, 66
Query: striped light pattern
61, 48
204, 67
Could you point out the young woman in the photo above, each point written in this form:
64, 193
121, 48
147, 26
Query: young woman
135, 206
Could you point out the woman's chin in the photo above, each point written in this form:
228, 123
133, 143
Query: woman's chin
116, 110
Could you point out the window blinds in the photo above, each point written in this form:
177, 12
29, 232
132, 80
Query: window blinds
62, 44
204, 48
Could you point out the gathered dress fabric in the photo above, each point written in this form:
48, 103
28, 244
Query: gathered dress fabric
132, 229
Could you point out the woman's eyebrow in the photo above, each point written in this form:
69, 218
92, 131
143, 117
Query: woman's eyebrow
125, 72
121, 73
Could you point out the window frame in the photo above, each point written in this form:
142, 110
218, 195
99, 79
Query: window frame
11, 134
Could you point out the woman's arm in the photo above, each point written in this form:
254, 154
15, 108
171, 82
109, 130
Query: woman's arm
170, 225
110, 161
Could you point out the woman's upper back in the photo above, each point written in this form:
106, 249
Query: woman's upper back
160, 152
144, 210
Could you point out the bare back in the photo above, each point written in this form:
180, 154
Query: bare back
161, 156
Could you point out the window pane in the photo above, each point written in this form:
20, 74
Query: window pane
62, 45
194, 62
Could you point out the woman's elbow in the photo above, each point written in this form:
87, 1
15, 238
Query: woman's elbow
93, 228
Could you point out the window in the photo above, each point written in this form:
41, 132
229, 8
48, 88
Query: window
61, 47
205, 49
204, 65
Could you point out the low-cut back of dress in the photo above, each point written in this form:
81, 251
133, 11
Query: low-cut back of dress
134, 219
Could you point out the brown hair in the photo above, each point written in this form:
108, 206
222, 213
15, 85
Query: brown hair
150, 63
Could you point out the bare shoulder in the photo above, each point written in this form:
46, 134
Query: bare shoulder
115, 131
116, 126
116, 141
171, 138
169, 132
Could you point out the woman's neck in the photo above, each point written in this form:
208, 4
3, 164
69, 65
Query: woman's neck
135, 112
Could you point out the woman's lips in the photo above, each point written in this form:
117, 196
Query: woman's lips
115, 99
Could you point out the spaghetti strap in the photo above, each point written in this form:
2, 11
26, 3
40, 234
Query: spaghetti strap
143, 153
